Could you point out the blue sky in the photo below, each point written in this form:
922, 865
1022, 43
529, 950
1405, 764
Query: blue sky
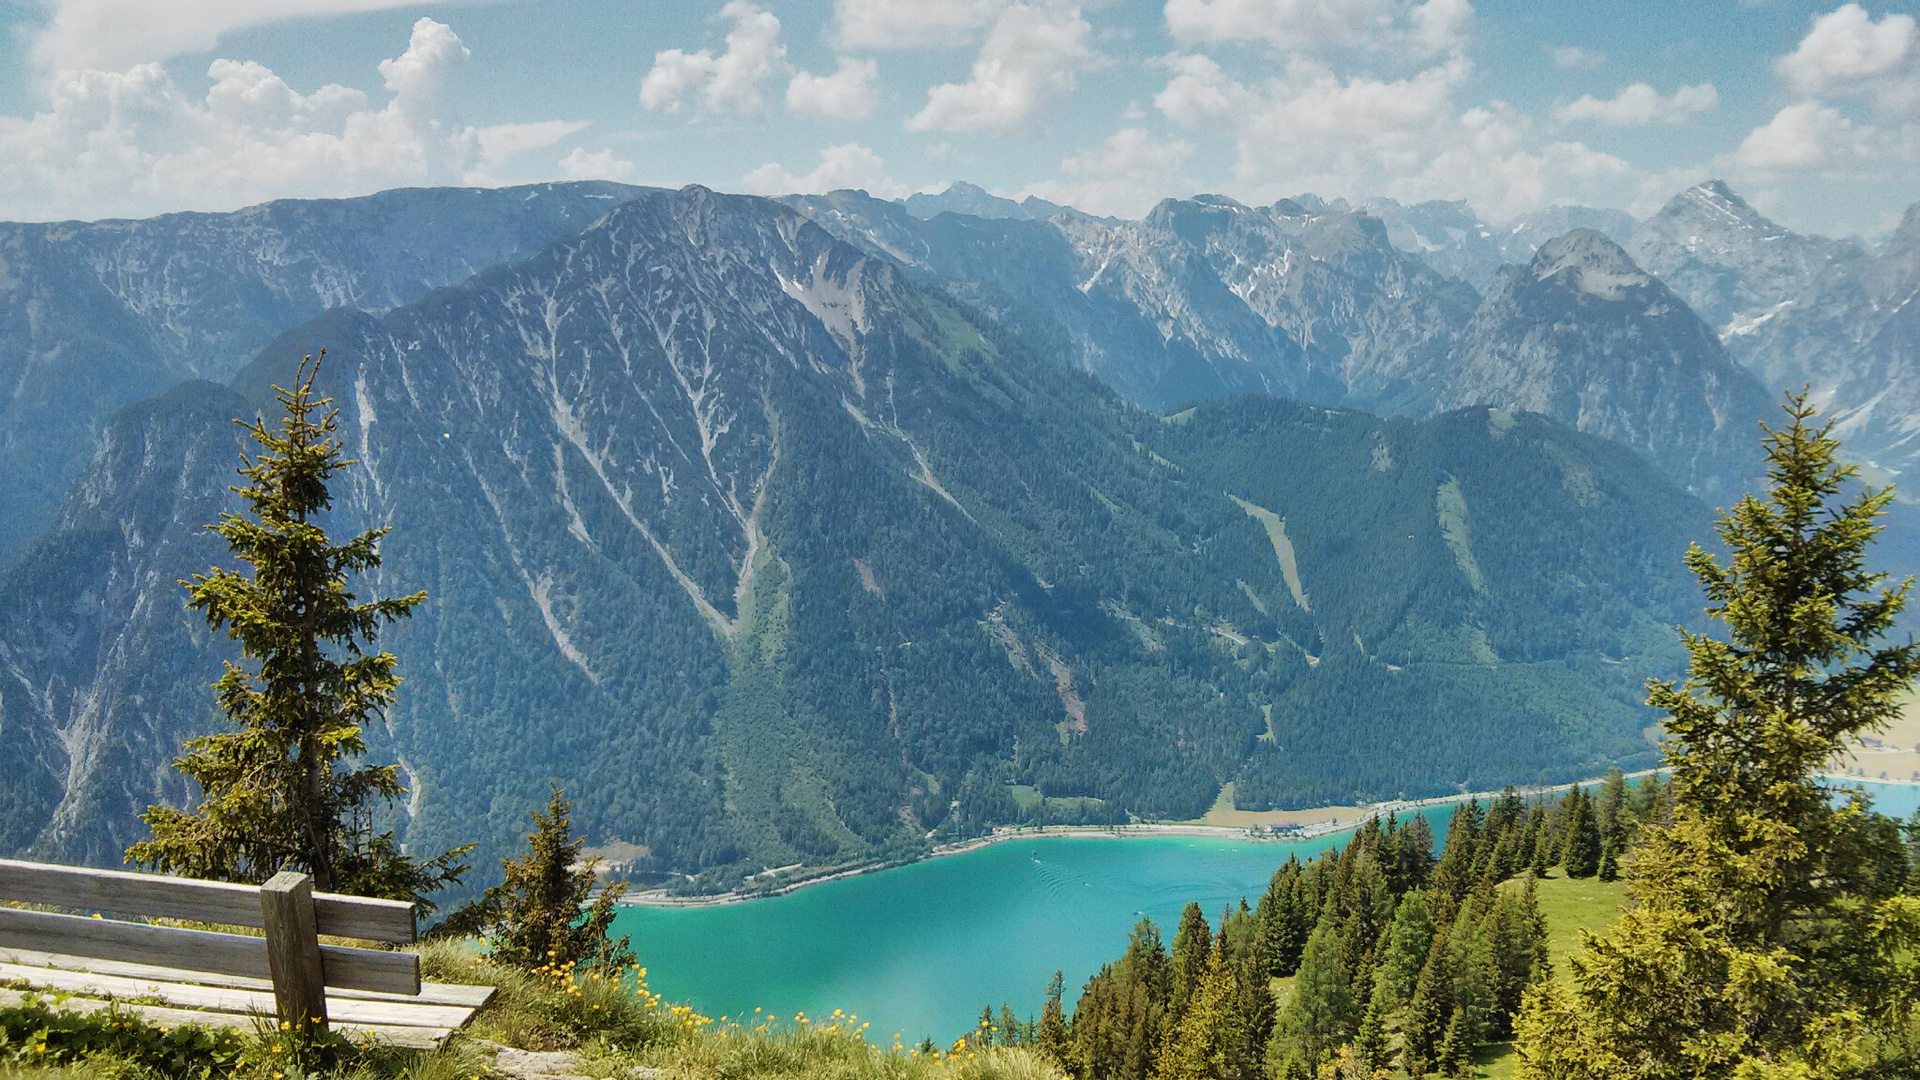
134, 107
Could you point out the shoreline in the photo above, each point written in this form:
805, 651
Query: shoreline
660, 898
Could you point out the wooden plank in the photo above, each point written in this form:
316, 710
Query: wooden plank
293, 951
396, 1013
431, 993
159, 897
199, 950
413, 1038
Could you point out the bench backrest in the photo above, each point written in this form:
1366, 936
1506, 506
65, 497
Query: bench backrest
286, 908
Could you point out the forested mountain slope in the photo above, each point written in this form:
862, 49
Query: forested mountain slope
97, 315
770, 554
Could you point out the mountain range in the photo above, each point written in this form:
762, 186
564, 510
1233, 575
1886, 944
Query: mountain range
806, 531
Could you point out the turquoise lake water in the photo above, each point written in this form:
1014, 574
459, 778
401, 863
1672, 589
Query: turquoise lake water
919, 949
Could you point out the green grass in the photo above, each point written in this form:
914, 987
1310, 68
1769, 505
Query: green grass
612, 1025
1569, 905
1573, 904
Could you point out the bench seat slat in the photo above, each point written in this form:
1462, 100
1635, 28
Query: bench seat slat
230, 954
157, 896
416, 1038
230, 999
431, 993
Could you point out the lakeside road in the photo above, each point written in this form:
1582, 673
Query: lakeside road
1341, 819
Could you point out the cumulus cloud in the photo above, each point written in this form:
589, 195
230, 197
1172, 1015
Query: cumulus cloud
848, 165
1810, 138
1124, 176
504, 141
1575, 58
580, 164
130, 142
1029, 58
1639, 105
1847, 52
729, 82
912, 24
116, 34
1425, 29
850, 93
1356, 137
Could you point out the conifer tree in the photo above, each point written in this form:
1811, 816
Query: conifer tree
1581, 856
1322, 1012
1408, 940
1762, 940
533, 917
1370, 1044
1609, 863
1428, 1012
1192, 944
1456, 1047
281, 791
1201, 1045
1052, 1033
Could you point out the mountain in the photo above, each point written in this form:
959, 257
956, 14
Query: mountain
1206, 298
771, 551
1726, 259
965, 198
1456, 242
97, 315
1203, 298
1584, 335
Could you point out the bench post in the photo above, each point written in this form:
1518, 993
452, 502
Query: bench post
293, 950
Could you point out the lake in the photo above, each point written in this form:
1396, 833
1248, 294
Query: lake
919, 949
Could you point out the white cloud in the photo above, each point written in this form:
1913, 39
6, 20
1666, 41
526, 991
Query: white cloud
129, 142
1030, 57
504, 141
1124, 176
117, 34
1575, 58
1807, 137
912, 24
850, 93
848, 165
1423, 29
1311, 130
1639, 105
1846, 52
1199, 91
729, 82
598, 165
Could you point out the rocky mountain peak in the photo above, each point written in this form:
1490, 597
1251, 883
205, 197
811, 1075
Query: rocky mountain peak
1725, 258
1713, 206
964, 198
1586, 260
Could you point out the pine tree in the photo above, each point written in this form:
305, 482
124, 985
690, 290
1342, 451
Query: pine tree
1581, 856
1322, 1012
1427, 1013
1192, 944
1201, 1045
1408, 940
1456, 1047
1370, 1044
533, 917
1052, 1033
1609, 863
1763, 940
280, 791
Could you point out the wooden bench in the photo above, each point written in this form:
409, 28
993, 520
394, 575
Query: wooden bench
218, 979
